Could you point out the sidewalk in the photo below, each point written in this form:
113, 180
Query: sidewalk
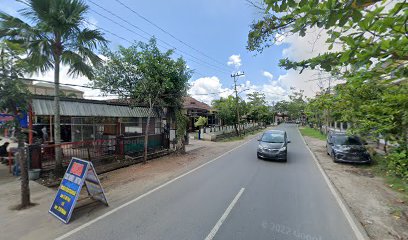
120, 186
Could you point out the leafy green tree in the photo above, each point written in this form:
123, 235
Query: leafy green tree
201, 122
144, 75
55, 34
371, 38
15, 101
294, 108
181, 132
226, 108
369, 33
257, 108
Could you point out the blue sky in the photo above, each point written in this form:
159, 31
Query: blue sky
217, 28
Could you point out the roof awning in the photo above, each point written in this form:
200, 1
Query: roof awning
45, 107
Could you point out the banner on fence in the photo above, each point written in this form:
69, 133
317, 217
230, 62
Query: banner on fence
8, 118
78, 172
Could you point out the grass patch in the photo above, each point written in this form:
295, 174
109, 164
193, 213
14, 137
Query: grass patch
379, 168
311, 132
232, 139
237, 138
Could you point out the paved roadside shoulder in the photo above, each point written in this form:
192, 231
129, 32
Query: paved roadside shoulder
358, 229
367, 196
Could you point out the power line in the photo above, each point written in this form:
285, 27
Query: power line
145, 32
168, 33
130, 42
96, 88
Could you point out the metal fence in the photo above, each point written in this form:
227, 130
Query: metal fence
96, 151
134, 145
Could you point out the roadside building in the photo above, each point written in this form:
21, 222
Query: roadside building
281, 117
85, 120
194, 109
48, 89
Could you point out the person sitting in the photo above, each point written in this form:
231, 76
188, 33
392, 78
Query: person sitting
3, 152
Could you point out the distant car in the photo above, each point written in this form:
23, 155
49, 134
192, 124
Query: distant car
273, 145
346, 149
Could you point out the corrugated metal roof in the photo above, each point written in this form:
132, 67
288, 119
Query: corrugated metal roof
85, 109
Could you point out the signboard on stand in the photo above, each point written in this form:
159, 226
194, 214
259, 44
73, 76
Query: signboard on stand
79, 172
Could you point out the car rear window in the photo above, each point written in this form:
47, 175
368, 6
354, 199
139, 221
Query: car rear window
346, 140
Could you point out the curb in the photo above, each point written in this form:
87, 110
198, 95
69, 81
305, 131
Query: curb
355, 225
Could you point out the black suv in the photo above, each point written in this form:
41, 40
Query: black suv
347, 149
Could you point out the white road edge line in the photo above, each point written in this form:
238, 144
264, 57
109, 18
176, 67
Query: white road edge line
224, 216
147, 193
346, 211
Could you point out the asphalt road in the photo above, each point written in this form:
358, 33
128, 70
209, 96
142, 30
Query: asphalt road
234, 197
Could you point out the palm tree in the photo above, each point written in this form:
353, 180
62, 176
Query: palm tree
56, 33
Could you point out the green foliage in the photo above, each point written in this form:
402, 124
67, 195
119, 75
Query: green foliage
257, 108
201, 122
14, 100
311, 132
143, 74
226, 108
182, 122
397, 163
58, 33
55, 33
371, 38
293, 108
14, 93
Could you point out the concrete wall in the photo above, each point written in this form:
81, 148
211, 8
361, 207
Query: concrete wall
211, 133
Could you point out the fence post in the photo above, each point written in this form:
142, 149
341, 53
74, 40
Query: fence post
89, 154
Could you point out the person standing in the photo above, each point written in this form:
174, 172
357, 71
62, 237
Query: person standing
44, 134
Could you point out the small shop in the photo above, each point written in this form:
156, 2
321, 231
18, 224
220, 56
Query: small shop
90, 120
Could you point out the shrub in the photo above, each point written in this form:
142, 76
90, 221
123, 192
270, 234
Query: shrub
397, 164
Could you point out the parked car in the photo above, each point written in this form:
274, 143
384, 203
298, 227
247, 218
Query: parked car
273, 145
347, 149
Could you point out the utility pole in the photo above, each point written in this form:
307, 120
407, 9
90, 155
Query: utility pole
236, 76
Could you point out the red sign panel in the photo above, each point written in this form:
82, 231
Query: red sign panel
77, 169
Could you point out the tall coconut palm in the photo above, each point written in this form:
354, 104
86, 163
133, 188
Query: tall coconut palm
56, 33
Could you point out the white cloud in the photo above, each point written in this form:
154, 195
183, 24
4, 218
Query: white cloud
310, 81
301, 48
311, 45
65, 78
91, 23
268, 75
208, 89
274, 90
279, 39
235, 60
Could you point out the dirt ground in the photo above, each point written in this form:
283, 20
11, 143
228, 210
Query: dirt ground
380, 209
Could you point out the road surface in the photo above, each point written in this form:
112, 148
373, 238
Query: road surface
234, 197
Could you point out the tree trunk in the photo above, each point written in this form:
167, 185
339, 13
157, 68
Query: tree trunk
25, 187
57, 123
146, 139
236, 129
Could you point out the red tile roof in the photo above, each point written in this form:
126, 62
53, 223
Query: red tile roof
192, 103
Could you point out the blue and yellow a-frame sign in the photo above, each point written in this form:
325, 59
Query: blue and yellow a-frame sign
79, 172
